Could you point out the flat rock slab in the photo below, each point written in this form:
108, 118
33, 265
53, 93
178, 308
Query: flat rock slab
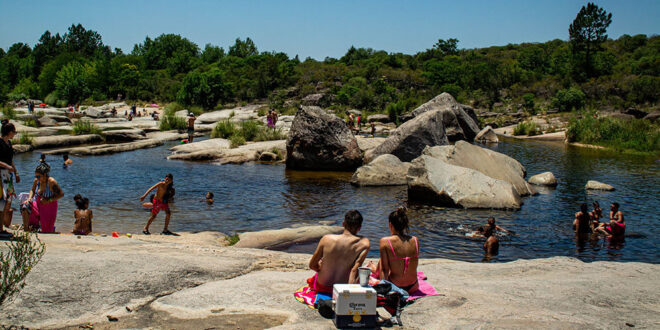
210, 144
190, 278
595, 185
385, 170
41, 142
236, 114
367, 143
124, 135
283, 238
105, 149
246, 153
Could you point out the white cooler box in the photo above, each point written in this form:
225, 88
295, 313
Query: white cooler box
355, 306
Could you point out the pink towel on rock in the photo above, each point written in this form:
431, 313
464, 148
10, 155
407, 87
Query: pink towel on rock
425, 288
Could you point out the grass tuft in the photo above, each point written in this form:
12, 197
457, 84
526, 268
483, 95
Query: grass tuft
634, 135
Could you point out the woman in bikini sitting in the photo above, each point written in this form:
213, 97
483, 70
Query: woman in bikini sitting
398, 254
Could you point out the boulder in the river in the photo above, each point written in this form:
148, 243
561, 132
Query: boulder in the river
321, 141
435, 182
491, 163
124, 135
409, 139
385, 170
595, 185
487, 135
282, 238
210, 144
459, 124
544, 179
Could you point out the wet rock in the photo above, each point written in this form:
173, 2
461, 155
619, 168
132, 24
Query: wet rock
267, 156
41, 142
595, 185
487, 135
21, 148
459, 123
385, 170
123, 135
320, 141
379, 118
490, 163
282, 238
409, 139
435, 182
544, 179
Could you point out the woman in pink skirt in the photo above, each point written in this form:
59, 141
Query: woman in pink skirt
43, 198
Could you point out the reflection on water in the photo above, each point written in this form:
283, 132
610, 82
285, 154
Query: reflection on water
257, 196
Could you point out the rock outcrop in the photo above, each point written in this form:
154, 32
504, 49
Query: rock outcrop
41, 142
544, 179
459, 123
210, 144
409, 139
124, 135
493, 164
282, 238
595, 185
379, 118
385, 170
320, 141
433, 181
653, 116
487, 135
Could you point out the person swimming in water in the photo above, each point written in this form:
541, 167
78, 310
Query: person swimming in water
209, 198
492, 244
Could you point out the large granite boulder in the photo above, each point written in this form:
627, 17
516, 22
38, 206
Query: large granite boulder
493, 164
320, 141
595, 185
385, 170
459, 123
487, 135
313, 99
433, 181
409, 139
210, 144
96, 112
46, 121
544, 179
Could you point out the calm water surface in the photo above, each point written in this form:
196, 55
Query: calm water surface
258, 196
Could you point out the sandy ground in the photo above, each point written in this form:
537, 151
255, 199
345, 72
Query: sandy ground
195, 282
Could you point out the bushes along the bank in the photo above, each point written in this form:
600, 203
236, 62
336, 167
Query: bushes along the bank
81, 127
637, 135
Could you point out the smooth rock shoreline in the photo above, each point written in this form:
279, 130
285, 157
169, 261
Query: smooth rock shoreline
196, 278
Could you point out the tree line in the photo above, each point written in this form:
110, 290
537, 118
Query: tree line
589, 69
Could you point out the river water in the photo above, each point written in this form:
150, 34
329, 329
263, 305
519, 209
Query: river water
260, 196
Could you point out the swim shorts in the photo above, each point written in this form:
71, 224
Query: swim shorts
159, 206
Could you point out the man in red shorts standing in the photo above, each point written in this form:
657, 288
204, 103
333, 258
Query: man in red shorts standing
161, 201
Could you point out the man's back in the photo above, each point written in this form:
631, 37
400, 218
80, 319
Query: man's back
341, 254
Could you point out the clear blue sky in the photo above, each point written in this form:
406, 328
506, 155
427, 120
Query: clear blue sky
319, 28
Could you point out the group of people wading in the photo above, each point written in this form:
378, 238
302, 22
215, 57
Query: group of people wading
587, 223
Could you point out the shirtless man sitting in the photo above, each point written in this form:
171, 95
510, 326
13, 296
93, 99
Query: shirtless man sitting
617, 225
337, 257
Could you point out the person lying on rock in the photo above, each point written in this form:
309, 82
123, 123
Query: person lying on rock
492, 244
337, 257
617, 226
399, 254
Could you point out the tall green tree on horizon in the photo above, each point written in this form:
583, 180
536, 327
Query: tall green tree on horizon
587, 32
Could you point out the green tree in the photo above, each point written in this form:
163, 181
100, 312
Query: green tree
447, 47
243, 49
82, 41
71, 83
212, 54
587, 33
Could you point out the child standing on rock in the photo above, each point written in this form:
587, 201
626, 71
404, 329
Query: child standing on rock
164, 193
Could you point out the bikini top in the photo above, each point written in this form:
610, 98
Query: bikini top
47, 192
406, 260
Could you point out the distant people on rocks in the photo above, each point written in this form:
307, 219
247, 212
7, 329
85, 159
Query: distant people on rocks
83, 216
43, 197
134, 110
350, 121
191, 127
616, 228
7, 174
399, 254
30, 107
114, 112
164, 194
274, 119
373, 129
66, 161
